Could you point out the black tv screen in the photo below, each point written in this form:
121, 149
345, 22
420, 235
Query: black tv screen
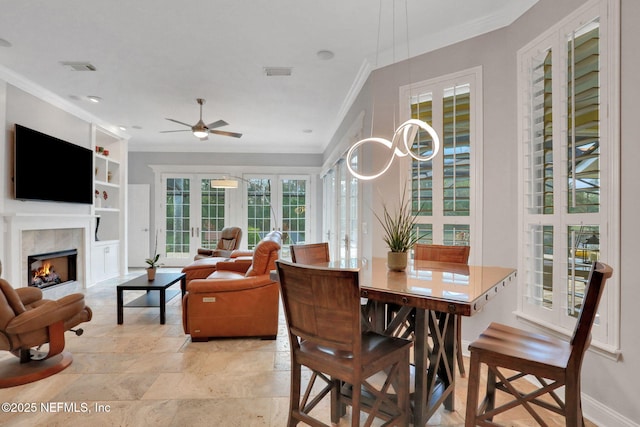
48, 168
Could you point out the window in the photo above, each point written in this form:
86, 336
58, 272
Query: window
568, 121
444, 189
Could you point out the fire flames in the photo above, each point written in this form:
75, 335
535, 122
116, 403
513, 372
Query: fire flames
45, 275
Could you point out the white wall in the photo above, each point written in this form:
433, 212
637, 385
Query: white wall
611, 388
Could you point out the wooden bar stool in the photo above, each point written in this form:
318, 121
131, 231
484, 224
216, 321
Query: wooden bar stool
322, 308
310, 253
554, 362
446, 253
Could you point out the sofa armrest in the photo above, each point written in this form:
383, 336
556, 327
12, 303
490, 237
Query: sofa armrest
207, 286
222, 253
204, 251
29, 294
46, 314
240, 253
201, 268
239, 264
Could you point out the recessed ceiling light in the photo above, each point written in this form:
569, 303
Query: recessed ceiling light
5, 43
136, 127
94, 98
325, 55
307, 130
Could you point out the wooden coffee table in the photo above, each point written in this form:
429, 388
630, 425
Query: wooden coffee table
151, 299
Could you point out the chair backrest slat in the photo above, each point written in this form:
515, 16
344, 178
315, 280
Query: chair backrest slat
580, 340
322, 305
441, 253
310, 253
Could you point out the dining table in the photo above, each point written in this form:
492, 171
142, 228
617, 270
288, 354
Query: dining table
423, 303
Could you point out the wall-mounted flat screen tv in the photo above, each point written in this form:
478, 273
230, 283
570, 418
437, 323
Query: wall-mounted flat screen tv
48, 168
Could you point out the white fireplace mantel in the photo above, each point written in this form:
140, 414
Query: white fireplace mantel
16, 223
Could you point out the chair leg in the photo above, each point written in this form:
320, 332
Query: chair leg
294, 400
403, 392
356, 394
459, 346
473, 390
573, 410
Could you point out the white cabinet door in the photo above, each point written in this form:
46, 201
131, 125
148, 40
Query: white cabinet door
104, 261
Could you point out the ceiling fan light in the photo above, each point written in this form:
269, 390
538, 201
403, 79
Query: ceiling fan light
200, 133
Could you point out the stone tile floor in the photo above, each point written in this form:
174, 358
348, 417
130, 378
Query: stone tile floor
142, 373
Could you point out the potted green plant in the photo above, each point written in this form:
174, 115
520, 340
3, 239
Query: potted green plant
399, 233
153, 262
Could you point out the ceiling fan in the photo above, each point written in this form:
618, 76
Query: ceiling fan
201, 130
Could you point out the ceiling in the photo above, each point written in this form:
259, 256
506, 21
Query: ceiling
153, 58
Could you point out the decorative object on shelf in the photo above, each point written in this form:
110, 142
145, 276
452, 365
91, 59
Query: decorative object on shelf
153, 261
109, 176
97, 227
399, 233
105, 196
98, 200
105, 152
99, 149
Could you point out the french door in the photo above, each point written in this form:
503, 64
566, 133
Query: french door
192, 215
341, 212
277, 202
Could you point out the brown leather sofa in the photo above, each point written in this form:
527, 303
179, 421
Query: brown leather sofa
238, 298
228, 242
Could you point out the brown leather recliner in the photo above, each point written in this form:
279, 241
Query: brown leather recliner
26, 321
229, 241
239, 299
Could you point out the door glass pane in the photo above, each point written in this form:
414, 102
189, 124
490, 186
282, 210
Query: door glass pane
584, 120
456, 145
294, 211
422, 172
425, 231
354, 221
541, 145
584, 249
540, 282
212, 218
177, 217
259, 210
456, 234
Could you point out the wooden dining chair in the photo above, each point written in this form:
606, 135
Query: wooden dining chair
451, 254
322, 309
553, 362
310, 253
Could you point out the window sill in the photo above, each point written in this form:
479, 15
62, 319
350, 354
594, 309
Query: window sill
605, 350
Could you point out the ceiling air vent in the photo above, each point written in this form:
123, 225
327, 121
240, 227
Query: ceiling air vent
79, 66
277, 71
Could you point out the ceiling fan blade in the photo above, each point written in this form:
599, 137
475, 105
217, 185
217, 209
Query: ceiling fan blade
167, 131
222, 132
217, 124
179, 122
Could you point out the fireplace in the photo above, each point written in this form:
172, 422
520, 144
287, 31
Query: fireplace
52, 268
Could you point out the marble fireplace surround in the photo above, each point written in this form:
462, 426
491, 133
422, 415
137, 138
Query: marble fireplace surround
35, 233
